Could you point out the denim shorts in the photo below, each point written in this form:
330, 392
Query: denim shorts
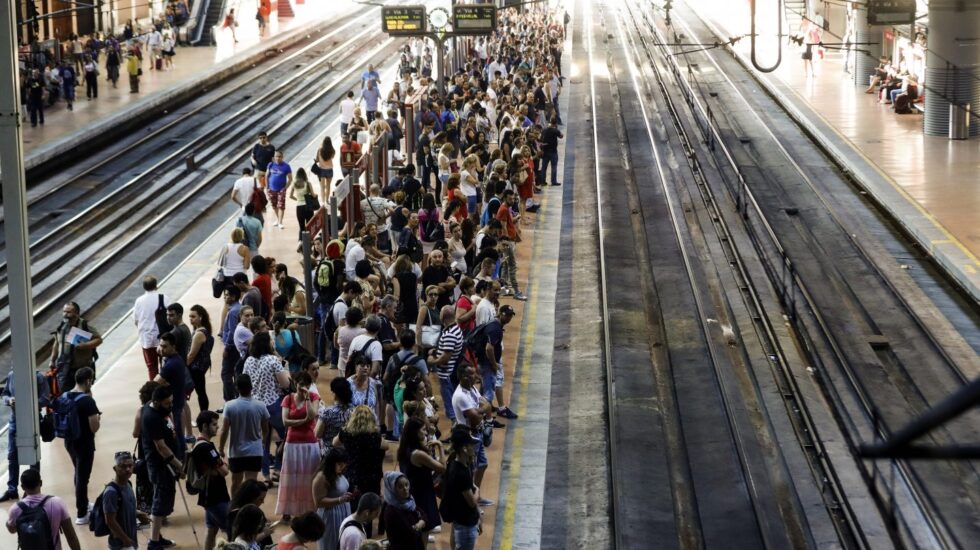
216, 517
164, 490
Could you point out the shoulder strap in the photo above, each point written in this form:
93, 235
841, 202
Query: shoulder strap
367, 345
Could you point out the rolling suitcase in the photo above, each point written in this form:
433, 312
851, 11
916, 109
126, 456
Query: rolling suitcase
159, 63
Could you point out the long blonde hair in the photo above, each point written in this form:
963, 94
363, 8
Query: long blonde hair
362, 421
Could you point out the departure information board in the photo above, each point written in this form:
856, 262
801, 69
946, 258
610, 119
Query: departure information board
404, 20
474, 19
891, 12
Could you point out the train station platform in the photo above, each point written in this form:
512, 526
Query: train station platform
927, 184
513, 456
195, 67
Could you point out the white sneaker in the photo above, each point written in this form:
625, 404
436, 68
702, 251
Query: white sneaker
82, 520
436, 529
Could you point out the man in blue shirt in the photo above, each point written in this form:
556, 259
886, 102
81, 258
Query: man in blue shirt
370, 74
13, 467
489, 358
371, 95
279, 176
230, 356
174, 374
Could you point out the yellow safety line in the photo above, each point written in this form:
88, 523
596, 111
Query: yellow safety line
517, 445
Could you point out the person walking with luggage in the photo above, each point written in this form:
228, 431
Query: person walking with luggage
160, 448
150, 316
39, 520
74, 346
230, 23
78, 408
9, 399
245, 425
119, 504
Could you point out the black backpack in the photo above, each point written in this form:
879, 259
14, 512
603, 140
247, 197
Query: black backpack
34, 526
97, 523
475, 342
160, 314
329, 323
354, 355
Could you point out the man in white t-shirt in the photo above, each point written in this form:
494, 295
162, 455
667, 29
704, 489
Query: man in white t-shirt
470, 409
346, 112
374, 351
485, 311
144, 315
353, 529
241, 191
354, 254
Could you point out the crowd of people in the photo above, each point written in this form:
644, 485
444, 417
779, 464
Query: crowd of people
85, 59
406, 357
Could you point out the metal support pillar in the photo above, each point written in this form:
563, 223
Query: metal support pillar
307, 271
441, 66
865, 63
952, 66
21, 309
334, 230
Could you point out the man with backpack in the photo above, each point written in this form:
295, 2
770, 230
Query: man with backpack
404, 358
115, 514
74, 346
13, 464
336, 315
160, 449
252, 226
77, 419
206, 472
38, 520
150, 316
487, 342
369, 344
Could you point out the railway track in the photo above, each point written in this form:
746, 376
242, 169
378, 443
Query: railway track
862, 332
124, 216
684, 398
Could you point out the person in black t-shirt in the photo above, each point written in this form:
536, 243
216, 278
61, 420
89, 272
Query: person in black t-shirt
262, 153
160, 449
214, 498
82, 449
459, 501
436, 273
174, 374
549, 151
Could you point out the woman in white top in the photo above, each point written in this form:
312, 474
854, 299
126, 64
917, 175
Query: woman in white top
457, 252
444, 161
469, 183
235, 257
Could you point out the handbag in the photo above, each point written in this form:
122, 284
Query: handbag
312, 202
46, 427
218, 281
430, 333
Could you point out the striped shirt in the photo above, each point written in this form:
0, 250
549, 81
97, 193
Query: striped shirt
451, 342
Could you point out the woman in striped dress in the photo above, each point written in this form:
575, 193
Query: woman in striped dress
301, 454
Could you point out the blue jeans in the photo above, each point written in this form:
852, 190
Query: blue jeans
489, 381
892, 95
229, 358
465, 537
13, 464
552, 159
446, 390
275, 422
471, 201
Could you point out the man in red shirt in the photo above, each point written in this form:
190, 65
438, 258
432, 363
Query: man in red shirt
508, 242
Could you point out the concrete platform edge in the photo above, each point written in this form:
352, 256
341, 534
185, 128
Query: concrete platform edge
885, 192
127, 120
